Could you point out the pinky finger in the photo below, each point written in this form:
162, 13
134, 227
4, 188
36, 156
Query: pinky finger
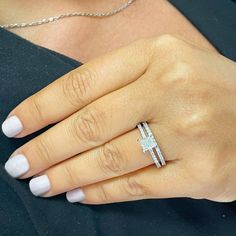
150, 182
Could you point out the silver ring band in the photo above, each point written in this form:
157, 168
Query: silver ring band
149, 143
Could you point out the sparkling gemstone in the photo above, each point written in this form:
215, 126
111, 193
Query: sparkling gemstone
148, 143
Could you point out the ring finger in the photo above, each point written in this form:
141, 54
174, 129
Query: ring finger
120, 156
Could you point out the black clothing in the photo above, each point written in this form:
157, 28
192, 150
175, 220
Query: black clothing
26, 68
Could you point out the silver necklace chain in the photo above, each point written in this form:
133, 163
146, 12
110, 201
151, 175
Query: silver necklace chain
72, 14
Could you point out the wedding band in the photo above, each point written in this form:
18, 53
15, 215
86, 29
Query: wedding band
149, 143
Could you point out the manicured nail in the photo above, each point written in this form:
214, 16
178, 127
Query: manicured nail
12, 126
76, 195
17, 166
39, 185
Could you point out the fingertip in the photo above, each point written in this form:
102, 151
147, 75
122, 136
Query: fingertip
12, 126
17, 166
76, 195
40, 185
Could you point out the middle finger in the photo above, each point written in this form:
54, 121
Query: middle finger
99, 122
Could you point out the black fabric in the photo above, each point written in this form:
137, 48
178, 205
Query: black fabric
26, 68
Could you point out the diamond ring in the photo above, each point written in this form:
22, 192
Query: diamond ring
149, 143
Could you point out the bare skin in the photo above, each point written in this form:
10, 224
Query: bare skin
88, 37
187, 95
182, 88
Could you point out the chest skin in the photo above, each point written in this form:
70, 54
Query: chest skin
85, 38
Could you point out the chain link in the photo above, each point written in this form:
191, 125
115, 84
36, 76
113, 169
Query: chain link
72, 14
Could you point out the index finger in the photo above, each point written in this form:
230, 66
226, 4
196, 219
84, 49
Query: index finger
78, 88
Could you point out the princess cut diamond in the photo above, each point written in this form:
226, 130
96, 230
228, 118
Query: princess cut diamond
148, 143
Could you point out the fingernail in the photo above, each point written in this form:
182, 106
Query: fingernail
40, 185
76, 195
12, 126
17, 166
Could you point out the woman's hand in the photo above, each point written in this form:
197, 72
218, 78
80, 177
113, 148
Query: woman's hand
186, 94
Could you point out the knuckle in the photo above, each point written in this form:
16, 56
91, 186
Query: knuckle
133, 187
70, 176
169, 44
111, 161
182, 75
183, 70
87, 126
43, 151
38, 110
77, 86
103, 193
167, 40
197, 125
167, 37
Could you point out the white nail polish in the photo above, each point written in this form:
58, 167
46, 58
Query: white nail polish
17, 166
12, 126
40, 185
76, 195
